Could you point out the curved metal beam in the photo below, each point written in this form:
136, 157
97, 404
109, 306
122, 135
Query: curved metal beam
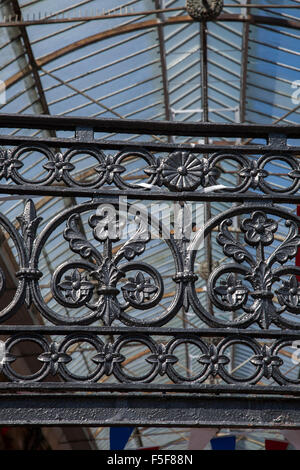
251, 19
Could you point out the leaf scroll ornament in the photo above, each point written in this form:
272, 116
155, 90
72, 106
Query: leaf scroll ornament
77, 241
137, 243
288, 249
231, 246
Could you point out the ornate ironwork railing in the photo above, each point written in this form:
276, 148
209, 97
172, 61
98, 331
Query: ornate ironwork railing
231, 331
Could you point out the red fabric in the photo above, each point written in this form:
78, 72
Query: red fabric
3, 431
298, 252
275, 445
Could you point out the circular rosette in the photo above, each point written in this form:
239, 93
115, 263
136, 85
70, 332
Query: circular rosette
73, 347
177, 368
71, 285
226, 290
288, 294
203, 10
20, 346
144, 293
287, 290
183, 171
133, 348
259, 229
144, 288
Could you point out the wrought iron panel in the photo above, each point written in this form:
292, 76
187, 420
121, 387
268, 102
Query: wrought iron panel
107, 294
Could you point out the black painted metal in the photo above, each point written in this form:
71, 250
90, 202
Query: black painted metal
258, 281
157, 410
34, 121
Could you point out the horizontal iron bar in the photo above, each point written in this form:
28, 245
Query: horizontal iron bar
35, 121
161, 331
154, 410
153, 146
62, 191
236, 389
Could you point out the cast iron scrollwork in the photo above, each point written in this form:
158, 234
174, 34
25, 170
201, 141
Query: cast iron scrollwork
105, 281
180, 170
104, 270
94, 280
162, 359
23, 248
113, 282
247, 285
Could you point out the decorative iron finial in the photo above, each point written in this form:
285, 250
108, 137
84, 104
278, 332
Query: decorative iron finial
203, 10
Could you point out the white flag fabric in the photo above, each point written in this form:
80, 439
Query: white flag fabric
293, 436
200, 437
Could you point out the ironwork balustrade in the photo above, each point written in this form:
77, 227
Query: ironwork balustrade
251, 299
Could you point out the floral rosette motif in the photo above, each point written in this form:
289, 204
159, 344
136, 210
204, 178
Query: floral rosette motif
182, 171
247, 285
